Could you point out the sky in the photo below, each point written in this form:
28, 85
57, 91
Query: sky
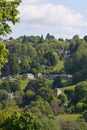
61, 18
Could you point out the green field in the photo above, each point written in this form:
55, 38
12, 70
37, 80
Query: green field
23, 83
68, 88
59, 66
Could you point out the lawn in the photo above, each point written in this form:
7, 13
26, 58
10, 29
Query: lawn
59, 66
68, 88
23, 83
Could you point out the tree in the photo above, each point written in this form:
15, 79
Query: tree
41, 39
3, 53
49, 37
57, 83
80, 92
3, 94
67, 124
63, 99
49, 124
85, 115
85, 38
3, 115
35, 85
24, 121
43, 105
13, 64
46, 93
78, 60
25, 64
51, 57
8, 13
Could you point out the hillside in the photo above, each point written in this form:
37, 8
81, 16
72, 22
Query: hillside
25, 86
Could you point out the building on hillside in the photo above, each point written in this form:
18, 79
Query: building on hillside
30, 76
58, 91
10, 95
39, 75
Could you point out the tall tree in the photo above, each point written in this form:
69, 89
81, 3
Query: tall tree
3, 53
8, 14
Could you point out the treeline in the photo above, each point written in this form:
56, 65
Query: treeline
33, 54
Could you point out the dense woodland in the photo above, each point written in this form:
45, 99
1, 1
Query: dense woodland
29, 98
22, 97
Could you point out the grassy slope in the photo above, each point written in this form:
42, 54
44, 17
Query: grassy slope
23, 83
68, 87
59, 66
72, 86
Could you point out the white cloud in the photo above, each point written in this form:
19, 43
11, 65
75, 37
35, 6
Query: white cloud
55, 19
25, 2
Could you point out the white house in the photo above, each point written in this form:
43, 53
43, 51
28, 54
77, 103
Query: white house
30, 76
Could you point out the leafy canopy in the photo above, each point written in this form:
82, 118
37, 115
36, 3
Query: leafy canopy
24, 121
3, 53
8, 14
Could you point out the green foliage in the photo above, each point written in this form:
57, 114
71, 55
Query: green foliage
69, 91
51, 58
34, 54
23, 83
28, 97
85, 38
59, 66
79, 76
25, 64
3, 53
80, 107
69, 125
63, 99
33, 89
49, 124
70, 122
80, 91
35, 66
56, 108
10, 86
35, 110
24, 121
43, 106
35, 85
50, 37
57, 83
5, 86
3, 94
3, 115
85, 115
13, 64
78, 61
8, 13
82, 124
46, 93
8, 102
